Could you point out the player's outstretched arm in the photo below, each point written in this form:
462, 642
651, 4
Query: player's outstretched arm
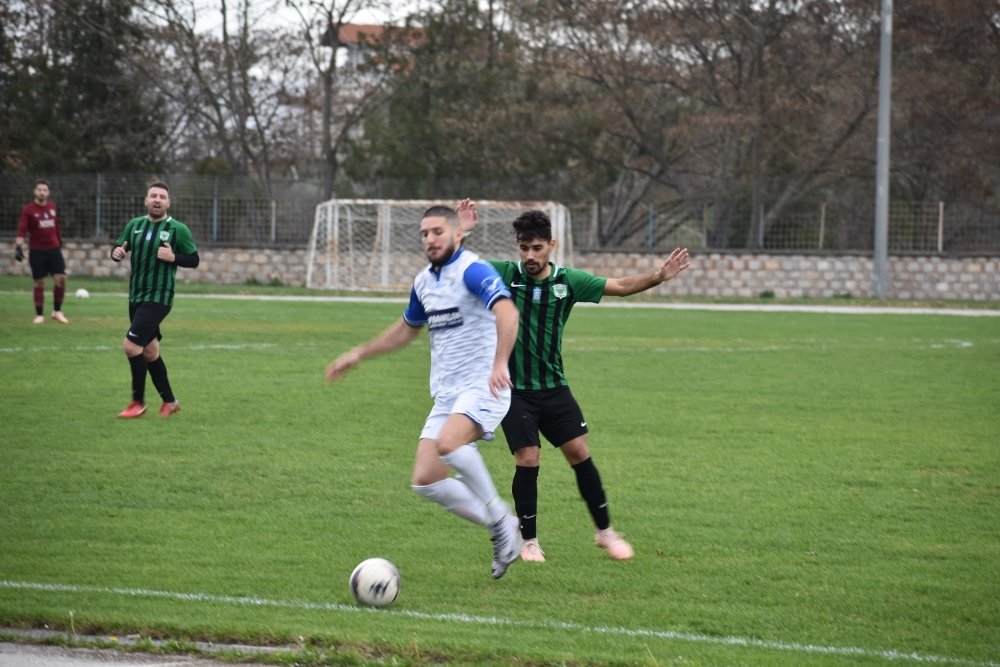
507, 318
392, 338
678, 260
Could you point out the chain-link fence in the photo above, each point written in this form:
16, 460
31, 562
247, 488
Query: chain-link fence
226, 210
219, 209
914, 227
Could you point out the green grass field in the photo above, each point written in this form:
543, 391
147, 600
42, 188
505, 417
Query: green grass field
801, 489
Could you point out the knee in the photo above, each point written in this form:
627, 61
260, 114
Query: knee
528, 457
131, 349
576, 451
446, 445
424, 479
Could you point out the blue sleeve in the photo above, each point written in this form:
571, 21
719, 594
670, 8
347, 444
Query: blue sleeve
414, 314
483, 280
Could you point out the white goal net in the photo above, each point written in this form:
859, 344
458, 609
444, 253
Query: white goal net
374, 244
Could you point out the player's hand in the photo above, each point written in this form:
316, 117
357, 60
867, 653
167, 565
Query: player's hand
165, 253
19, 253
468, 216
342, 364
678, 260
500, 379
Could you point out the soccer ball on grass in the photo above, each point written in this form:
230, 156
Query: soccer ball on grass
82, 294
375, 582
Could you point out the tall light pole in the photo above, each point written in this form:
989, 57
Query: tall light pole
882, 163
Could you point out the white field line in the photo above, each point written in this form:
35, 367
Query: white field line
796, 345
236, 347
117, 348
616, 303
804, 308
617, 631
722, 307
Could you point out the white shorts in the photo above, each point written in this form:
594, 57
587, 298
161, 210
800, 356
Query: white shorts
479, 405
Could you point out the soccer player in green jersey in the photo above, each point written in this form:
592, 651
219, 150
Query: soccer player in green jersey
541, 401
159, 244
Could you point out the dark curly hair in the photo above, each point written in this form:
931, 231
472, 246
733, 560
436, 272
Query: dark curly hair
532, 225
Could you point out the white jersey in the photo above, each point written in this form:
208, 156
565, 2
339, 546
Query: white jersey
455, 304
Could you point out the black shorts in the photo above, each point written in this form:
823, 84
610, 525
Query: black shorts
145, 321
553, 412
46, 263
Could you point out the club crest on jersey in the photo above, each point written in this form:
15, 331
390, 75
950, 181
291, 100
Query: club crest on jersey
536, 294
560, 291
449, 318
164, 236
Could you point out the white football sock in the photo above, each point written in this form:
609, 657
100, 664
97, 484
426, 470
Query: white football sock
469, 463
457, 498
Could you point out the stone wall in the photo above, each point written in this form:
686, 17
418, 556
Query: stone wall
218, 265
748, 275
712, 274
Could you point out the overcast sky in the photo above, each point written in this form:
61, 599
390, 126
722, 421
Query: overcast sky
392, 11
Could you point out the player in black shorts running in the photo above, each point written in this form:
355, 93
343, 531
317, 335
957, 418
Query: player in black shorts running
541, 402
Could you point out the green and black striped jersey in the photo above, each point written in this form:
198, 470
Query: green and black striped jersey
152, 280
536, 362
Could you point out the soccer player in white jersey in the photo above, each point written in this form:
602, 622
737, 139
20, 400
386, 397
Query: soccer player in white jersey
472, 324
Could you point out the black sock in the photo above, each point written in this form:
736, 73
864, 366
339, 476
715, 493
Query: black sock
138, 364
158, 372
524, 488
588, 480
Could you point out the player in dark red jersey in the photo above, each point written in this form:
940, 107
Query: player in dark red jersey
40, 224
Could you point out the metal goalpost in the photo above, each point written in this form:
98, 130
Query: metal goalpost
374, 245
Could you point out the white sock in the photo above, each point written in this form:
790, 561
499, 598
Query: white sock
457, 498
469, 463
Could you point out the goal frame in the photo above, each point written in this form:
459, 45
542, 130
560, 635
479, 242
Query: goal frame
372, 252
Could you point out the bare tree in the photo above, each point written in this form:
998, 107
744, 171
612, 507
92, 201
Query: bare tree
231, 85
353, 65
946, 139
232, 82
741, 105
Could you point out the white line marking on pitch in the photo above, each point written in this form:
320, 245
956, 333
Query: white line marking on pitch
730, 307
794, 647
107, 348
803, 308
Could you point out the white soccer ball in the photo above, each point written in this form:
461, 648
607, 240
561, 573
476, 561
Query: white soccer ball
82, 294
375, 582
